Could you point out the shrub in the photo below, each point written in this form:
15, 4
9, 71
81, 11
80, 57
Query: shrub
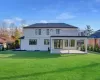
96, 48
82, 48
17, 44
91, 49
88, 48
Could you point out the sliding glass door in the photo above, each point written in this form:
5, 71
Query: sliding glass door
58, 43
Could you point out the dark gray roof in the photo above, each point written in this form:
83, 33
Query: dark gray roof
50, 25
95, 35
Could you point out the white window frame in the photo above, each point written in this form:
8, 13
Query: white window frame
57, 31
47, 31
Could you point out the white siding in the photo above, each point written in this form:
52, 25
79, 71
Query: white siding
63, 32
30, 34
40, 44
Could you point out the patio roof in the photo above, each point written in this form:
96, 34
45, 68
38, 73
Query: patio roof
71, 36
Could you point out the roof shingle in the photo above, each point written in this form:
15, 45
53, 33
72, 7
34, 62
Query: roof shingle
50, 25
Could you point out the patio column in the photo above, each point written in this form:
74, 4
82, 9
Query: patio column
76, 44
85, 45
68, 45
51, 47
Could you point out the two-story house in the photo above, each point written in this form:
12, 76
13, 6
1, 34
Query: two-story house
56, 37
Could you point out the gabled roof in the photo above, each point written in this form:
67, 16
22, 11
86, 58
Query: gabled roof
50, 25
95, 35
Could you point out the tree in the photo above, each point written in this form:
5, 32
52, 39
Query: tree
16, 33
89, 30
12, 29
17, 44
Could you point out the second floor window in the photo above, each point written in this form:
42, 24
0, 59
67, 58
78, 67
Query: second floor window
57, 31
37, 31
47, 31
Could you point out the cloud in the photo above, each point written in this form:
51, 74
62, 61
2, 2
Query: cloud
97, 0
43, 21
65, 16
94, 10
8, 21
18, 19
33, 9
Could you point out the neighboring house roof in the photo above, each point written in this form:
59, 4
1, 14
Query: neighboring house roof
51, 25
6, 40
2, 41
95, 35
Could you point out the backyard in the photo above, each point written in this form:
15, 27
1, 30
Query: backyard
16, 65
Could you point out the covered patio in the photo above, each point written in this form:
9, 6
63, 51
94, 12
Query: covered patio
68, 44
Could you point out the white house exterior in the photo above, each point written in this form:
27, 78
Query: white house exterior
51, 36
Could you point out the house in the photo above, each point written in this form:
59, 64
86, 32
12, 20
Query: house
2, 42
94, 39
56, 37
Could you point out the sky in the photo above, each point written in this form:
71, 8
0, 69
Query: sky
75, 12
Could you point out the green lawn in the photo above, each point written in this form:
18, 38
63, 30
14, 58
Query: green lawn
45, 66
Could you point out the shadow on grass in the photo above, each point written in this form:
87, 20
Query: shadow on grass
94, 52
55, 71
31, 54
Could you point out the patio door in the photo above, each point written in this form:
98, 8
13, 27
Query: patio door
58, 43
69, 44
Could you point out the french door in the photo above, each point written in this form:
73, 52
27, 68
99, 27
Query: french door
58, 43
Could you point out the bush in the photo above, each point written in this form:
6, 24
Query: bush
83, 48
17, 44
96, 48
91, 49
3, 49
88, 48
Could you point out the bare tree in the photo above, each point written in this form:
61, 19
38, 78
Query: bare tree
11, 29
89, 30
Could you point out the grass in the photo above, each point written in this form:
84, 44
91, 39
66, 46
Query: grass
45, 66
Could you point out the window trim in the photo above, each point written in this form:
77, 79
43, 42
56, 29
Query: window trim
66, 43
47, 31
57, 31
58, 43
32, 43
70, 44
48, 42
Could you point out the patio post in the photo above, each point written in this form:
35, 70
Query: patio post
86, 45
51, 46
76, 44
68, 45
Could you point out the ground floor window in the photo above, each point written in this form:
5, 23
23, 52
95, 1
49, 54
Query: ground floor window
58, 43
46, 41
32, 41
72, 43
